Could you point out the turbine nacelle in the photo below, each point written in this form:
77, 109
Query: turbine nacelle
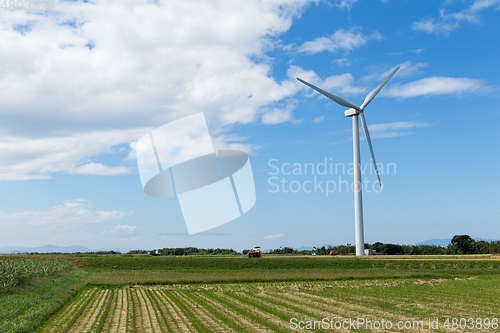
351, 112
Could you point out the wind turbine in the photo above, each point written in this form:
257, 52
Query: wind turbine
354, 112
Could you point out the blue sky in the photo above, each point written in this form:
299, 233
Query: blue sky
81, 84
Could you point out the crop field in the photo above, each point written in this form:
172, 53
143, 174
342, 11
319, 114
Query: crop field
122, 270
285, 306
18, 271
124, 293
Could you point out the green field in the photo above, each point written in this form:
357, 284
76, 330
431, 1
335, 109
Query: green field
124, 293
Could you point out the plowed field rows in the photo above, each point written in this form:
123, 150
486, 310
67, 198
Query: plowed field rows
270, 307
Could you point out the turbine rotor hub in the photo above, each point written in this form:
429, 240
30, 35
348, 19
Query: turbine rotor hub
351, 112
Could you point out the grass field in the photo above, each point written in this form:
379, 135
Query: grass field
126, 270
124, 293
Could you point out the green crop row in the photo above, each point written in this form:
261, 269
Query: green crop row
286, 306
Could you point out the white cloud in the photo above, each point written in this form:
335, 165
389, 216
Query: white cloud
337, 84
277, 116
389, 130
98, 169
318, 119
341, 40
408, 68
376, 36
448, 22
74, 222
273, 236
72, 212
36, 158
233, 142
62, 103
121, 231
345, 3
417, 51
435, 86
343, 62
343, 83
383, 135
397, 126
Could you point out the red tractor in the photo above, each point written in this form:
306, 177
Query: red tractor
333, 253
254, 253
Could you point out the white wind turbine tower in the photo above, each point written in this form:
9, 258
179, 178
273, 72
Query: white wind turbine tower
354, 112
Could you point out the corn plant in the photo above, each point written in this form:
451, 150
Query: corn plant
16, 272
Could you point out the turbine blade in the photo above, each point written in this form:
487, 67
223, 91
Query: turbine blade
375, 91
334, 98
367, 135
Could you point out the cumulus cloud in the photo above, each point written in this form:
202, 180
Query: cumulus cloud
339, 84
278, 115
273, 236
89, 69
122, 231
447, 22
435, 86
71, 212
340, 40
38, 157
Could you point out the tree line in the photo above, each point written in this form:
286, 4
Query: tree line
460, 244
184, 251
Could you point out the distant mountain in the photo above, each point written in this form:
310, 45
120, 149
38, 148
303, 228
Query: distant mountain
484, 239
438, 242
13, 249
54, 248
445, 241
